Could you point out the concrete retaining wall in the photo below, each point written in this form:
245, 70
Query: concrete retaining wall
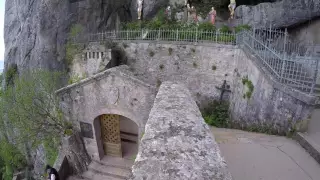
201, 68
272, 107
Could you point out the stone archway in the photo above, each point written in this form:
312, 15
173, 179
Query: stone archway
116, 136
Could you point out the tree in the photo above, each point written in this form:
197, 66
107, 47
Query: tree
32, 107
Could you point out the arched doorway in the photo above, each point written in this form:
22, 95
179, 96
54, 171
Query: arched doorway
119, 136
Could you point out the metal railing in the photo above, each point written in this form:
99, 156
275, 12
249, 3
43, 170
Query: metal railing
289, 63
178, 36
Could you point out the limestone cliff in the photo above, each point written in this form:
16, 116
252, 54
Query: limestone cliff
279, 14
36, 30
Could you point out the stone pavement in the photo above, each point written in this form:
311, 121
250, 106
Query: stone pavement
252, 156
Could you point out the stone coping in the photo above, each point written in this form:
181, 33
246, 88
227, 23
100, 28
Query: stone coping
119, 71
177, 143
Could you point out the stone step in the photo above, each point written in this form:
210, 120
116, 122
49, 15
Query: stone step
96, 175
106, 164
312, 147
78, 177
110, 170
116, 162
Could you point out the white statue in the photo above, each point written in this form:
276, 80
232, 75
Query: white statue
168, 12
140, 2
232, 7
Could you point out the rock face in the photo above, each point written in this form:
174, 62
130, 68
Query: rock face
75, 151
285, 13
151, 7
307, 33
36, 31
177, 143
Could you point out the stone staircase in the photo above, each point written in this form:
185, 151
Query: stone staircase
109, 168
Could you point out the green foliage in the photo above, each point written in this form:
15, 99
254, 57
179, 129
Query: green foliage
32, 106
75, 79
11, 159
170, 51
125, 45
135, 25
242, 28
206, 26
51, 149
217, 114
250, 87
225, 29
73, 49
195, 65
214, 67
75, 30
158, 83
151, 53
10, 74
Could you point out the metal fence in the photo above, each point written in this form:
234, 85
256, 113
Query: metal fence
178, 36
289, 63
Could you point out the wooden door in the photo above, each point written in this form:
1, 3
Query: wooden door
110, 132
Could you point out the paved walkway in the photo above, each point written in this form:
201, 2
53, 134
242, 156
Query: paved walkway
252, 156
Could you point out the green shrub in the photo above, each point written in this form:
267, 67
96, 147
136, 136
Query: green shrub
75, 79
170, 51
73, 49
225, 29
151, 53
158, 83
214, 67
246, 82
75, 30
242, 28
195, 65
135, 25
11, 159
51, 149
11, 74
217, 114
206, 26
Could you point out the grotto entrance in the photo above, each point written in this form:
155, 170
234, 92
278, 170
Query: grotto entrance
119, 136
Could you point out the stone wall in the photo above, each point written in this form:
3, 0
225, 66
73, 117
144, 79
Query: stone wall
177, 143
272, 106
93, 59
114, 91
201, 68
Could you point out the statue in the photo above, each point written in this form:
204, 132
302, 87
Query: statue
168, 13
193, 13
232, 7
212, 15
140, 2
